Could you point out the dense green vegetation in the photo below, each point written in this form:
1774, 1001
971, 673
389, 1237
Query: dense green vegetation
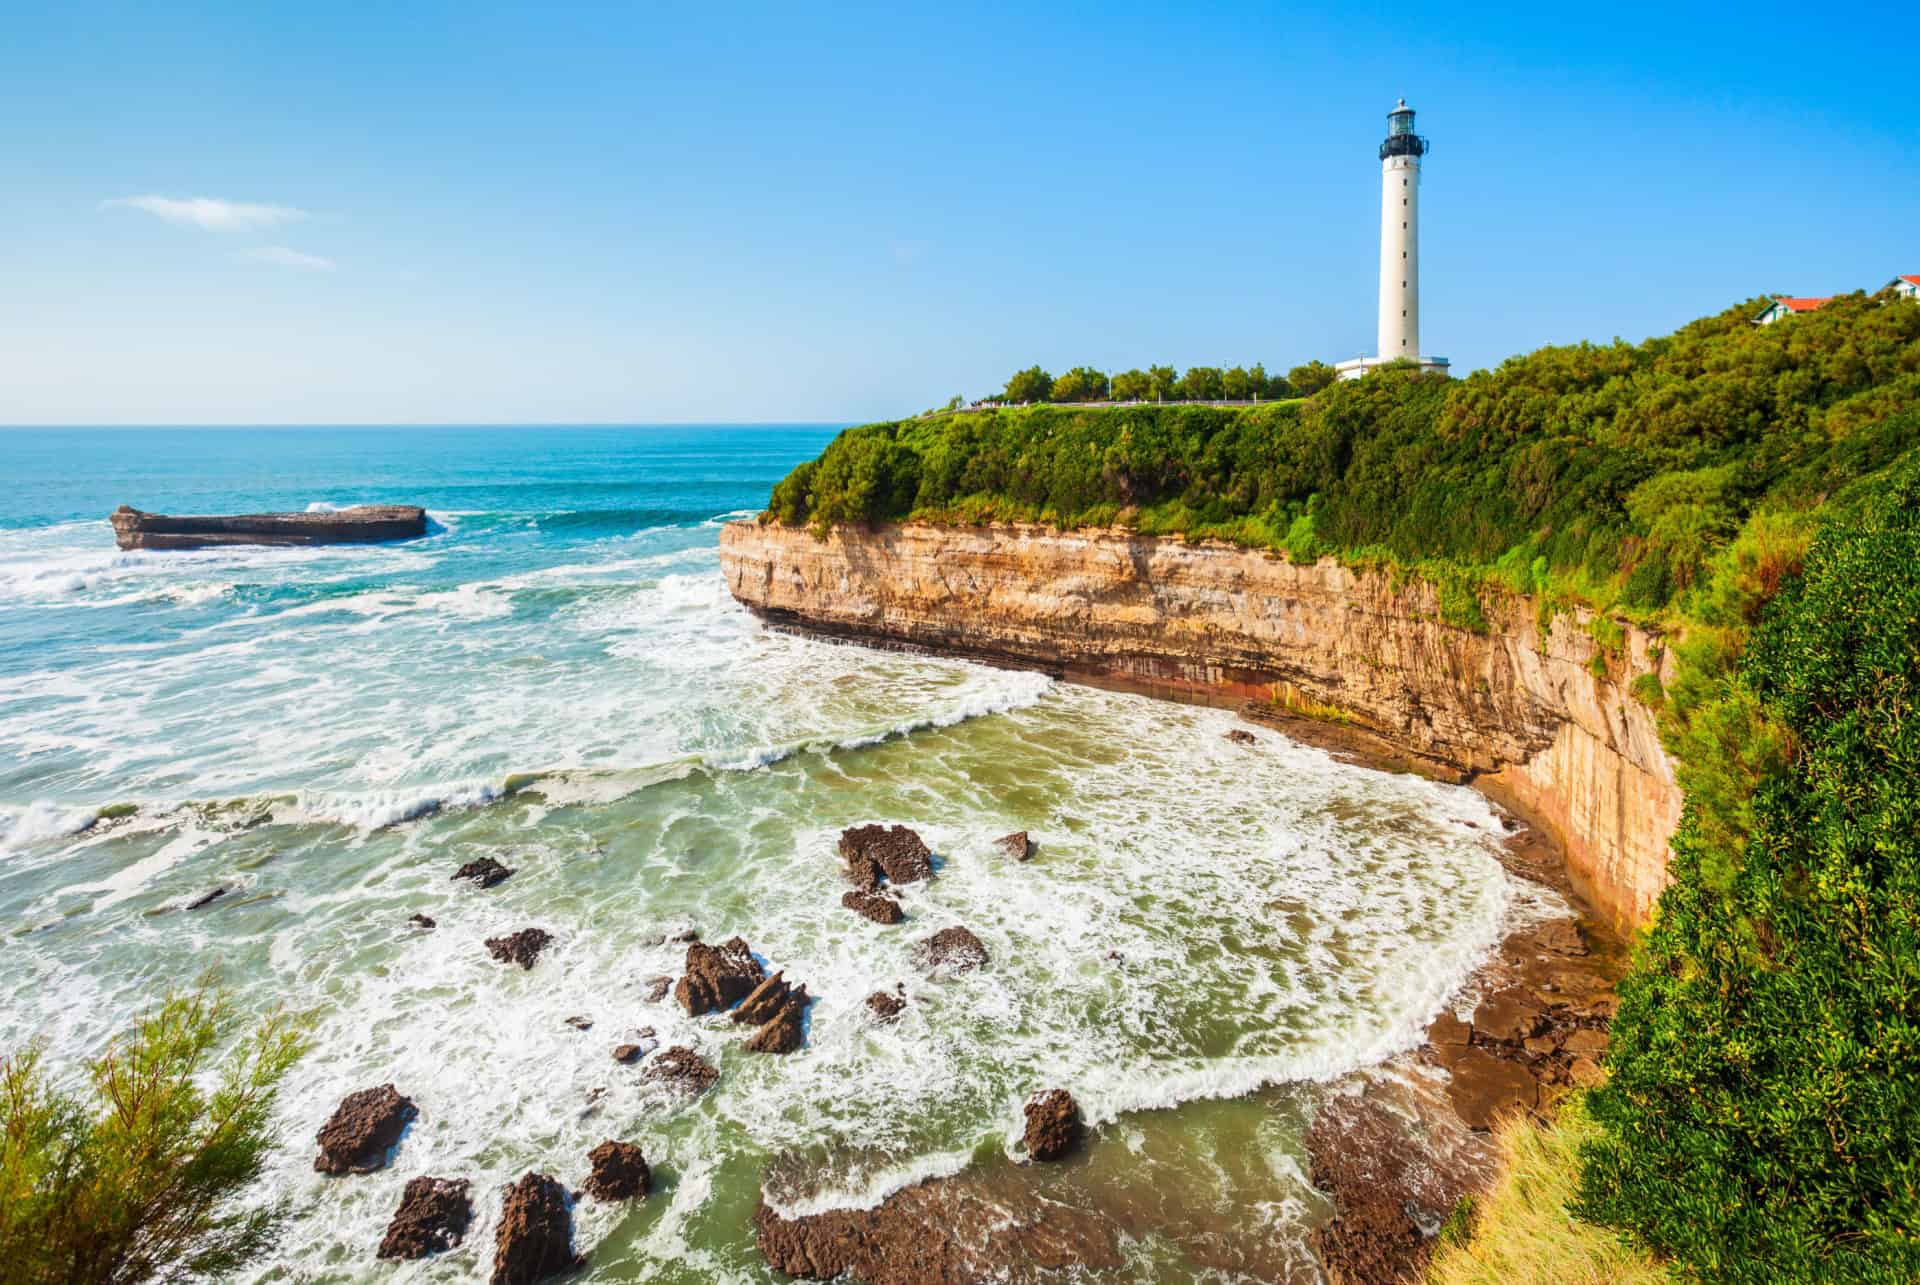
1764, 1106
1756, 492
145, 1181
1609, 473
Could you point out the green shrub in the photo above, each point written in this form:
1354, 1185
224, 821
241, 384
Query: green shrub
141, 1183
1764, 1095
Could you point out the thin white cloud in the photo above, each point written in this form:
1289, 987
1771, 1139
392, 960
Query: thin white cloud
208, 212
283, 257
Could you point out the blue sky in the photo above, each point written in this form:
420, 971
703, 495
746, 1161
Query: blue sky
464, 213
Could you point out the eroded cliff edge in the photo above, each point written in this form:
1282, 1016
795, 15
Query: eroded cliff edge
1528, 715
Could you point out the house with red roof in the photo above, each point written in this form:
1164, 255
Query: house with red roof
1905, 287
1786, 306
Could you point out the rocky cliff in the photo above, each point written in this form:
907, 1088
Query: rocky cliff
1543, 722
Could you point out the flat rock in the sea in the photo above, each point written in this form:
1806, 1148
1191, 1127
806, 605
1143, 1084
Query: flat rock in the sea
535, 1237
1053, 1125
486, 872
1241, 736
875, 906
885, 1007
657, 988
421, 921
136, 529
717, 977
619, 1172
682, 1069
434, 1214
1016, 845
892, 854
206, 898
953, 950
1448, 1031
521, 948
362, 1130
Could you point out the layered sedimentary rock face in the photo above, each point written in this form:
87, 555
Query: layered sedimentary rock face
1544, 719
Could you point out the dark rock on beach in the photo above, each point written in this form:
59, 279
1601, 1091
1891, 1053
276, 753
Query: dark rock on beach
880, 909
486, 872
1395, 1170
1053, 1125
1241, 736
619, 1172
891, 854
434, 1214
362, 1130
1511, 1014
206, 898
521, 948
951, 949
624, 1053
535, 1236
682, 1069
717, 977
1485, 1087
949, 1231
421, 921
1016, 845
885, 1007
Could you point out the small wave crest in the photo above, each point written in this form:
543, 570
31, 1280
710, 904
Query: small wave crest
42, 821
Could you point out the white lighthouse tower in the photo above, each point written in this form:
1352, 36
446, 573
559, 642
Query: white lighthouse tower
1399, 335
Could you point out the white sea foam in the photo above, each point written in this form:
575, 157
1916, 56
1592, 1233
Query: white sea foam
41, 821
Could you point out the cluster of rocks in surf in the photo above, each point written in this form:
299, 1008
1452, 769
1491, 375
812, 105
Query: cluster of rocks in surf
534, 1238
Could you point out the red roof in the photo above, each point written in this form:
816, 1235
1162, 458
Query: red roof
1910, 278
1801, 305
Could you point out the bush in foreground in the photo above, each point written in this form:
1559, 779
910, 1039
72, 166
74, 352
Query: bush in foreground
1764, 1100
140, 1182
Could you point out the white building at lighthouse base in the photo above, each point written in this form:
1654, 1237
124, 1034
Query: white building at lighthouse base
1361, 365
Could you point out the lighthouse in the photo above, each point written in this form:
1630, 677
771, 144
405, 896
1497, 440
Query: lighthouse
1399, 332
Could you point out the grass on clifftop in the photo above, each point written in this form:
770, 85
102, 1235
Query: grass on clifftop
1522, 1230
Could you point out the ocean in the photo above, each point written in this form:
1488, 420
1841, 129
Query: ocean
555, 676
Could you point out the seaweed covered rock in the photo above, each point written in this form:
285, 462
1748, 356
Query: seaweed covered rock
953, 950
1053, 1125
893, 854
521, 948
881, 909
434, 1214
717, 977
535, 1238
362, 1130
619, 1172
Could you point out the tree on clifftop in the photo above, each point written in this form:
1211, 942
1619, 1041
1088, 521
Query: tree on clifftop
1132, 386
1310, 378
1030, 385
1081, 384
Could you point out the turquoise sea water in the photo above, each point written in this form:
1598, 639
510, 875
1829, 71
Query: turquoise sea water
556, 676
